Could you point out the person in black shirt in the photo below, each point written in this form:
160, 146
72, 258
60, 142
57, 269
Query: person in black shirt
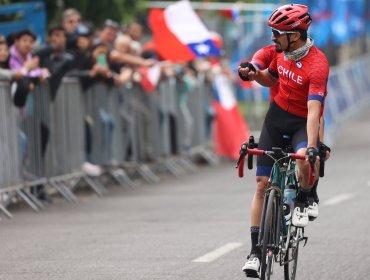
55, 58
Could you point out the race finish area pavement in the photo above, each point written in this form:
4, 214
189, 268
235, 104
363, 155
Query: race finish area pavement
195, 227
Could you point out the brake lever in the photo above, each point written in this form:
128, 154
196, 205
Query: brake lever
242, 153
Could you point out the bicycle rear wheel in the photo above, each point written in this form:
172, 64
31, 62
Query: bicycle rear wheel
269, 233
291, 257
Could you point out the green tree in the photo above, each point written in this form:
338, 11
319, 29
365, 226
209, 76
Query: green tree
96, 11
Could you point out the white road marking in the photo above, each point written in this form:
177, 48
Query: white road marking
211, 256
338, 199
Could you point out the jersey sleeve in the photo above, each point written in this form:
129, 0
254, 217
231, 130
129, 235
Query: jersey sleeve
260, 59
263, 57
318, 79
273, 68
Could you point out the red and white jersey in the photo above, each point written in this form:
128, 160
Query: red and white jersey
262, 59
300, 81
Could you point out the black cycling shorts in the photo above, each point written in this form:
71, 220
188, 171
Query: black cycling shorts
278, 123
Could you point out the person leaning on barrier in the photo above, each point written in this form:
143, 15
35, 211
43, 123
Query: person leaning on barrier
83, 46
55, 58
135, 31
21, 56
123, 54
6, 74
107, 34
98, 68
303, 71
20, 85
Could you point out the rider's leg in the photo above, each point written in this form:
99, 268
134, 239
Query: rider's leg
256, 209
252, 265
269, 137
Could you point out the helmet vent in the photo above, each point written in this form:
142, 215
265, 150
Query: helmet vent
275, 16
281, 20
289, 23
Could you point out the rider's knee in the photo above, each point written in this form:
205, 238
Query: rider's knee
302, 166
262, 182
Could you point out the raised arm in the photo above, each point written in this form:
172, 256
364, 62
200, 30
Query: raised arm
248, 72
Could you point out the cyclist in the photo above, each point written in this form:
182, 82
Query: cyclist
302, 71
261, 60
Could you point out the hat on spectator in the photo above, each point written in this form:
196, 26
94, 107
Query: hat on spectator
84, 30
111, 23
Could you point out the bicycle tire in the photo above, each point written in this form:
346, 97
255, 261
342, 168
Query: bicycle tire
291, 262
269, 223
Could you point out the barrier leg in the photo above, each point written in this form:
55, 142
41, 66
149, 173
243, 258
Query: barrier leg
95, 185
64, 191
122, 178
173, 167
187, 164
27, 200
147, 173
209, 157
5, 211
33, 198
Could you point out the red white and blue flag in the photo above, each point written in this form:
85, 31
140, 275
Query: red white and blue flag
179, 34
230, 128
150, 77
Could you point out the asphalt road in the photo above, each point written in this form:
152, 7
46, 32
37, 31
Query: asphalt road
195, 227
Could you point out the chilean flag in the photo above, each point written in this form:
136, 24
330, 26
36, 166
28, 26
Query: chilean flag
150, 77
179, 34
230, 128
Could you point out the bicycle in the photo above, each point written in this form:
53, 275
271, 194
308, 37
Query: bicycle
278, 239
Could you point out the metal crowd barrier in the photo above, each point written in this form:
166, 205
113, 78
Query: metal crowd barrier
348, 93
10, 166
47, 142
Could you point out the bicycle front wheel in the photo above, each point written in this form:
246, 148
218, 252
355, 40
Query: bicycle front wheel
269, 233
291, 257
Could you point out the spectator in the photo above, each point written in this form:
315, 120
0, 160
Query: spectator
97, 67
84, 44
5, 72
122, 54
55, 58
135, 31
108, 33
21, 58
70, 21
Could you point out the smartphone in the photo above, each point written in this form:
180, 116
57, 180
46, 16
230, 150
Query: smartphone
102, 59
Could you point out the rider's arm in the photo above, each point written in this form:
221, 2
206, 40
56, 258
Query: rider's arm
321, 131
318, 77
313, 122
265, 78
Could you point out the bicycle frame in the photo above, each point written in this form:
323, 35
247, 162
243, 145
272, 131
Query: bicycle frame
276, 238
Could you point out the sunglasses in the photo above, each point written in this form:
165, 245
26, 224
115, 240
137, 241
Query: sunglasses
277, 33
74, 21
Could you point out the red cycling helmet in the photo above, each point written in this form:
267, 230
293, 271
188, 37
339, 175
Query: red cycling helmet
290, 17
